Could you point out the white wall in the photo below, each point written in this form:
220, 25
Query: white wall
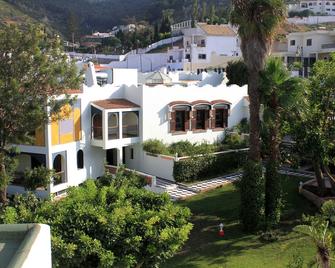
155, 109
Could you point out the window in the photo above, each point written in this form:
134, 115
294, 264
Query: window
188, 56
203, 43
221, 118
309, 42
292, 43
201, 118
80, 159
202, 56
131, 153
180, 120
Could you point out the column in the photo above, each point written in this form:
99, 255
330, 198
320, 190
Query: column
119, 156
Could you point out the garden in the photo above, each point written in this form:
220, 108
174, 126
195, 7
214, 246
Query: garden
283, 248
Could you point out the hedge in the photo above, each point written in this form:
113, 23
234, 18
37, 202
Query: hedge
197, 168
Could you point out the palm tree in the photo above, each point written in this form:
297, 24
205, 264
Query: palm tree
279, 95
257, 21
323, 239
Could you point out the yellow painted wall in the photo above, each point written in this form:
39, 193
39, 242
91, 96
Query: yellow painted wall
75, 114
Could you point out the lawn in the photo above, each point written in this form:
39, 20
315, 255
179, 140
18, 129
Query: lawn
237, 249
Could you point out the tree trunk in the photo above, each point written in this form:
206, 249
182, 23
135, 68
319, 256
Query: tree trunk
319, 176
272, 178
254, 97
324, 257
3, 178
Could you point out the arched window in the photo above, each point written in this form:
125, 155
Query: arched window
80, 159
97, 126
58, 166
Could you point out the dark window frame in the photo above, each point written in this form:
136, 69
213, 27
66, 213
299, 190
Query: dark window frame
80, 159
180, 121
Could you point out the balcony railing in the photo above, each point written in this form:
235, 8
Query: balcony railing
130, 131
97, 133
325, 46
113, 133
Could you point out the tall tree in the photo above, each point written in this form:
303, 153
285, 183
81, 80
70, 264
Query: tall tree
317, 119
203, 11
195, 12
33, 71
279, 95
73, 26
257, 21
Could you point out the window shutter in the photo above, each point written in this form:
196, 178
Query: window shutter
173, 122
207, 119
213, 114
225, 118
194, 120
187, 120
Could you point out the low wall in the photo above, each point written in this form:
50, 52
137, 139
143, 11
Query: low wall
151, 180
160, 165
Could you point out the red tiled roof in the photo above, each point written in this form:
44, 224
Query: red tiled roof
115, 104
218, 30
73, 91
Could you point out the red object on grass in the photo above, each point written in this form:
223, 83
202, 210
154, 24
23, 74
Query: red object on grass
221, 233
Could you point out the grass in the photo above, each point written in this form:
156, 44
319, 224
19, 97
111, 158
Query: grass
237, 249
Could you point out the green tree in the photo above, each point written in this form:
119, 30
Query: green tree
195, 12
237, 73
117, 225
33, 71
256, 33
212, 15
203, 11
316, 118
73, 27
279, 95
167, 20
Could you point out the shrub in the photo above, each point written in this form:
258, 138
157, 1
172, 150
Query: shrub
252, 196
243, 126
196, 168
155, 146
182, 148
37, 177
328, 211
237, 73
119, 225
234, 141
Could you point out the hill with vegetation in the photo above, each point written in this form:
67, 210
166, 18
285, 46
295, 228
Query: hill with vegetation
102, 15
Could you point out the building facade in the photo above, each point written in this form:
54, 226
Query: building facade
114, 114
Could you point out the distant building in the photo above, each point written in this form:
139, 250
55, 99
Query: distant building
324, 7
307, 48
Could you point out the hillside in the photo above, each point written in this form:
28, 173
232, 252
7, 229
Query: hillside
102, 15
9, 14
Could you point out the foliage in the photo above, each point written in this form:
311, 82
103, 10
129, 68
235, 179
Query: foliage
316, 116
234, 141
33, 71
117, 225
328, 211
203, 167
154, 146
237, 73
37, 177
279, 95
243, 127
297, 261
269, 236
318, 230
301, 14
252, 199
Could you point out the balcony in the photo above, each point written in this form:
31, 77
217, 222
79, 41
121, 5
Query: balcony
327, 46
114, 124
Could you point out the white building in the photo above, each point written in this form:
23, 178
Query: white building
324, 7
205, 47
114, 114
306, 47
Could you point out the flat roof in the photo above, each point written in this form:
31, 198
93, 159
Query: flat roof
110, 104
217, 30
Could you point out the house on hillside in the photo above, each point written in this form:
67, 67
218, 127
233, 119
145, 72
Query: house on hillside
114, 114
322, 7
306, 48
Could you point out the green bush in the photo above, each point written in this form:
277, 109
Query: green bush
234, 141
37, 177
252, 196
182, 148
155, 146
197, 168
328, 211
243, 126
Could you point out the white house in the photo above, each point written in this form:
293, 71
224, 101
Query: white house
113, 114
324, 7
201, 48
306, 47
